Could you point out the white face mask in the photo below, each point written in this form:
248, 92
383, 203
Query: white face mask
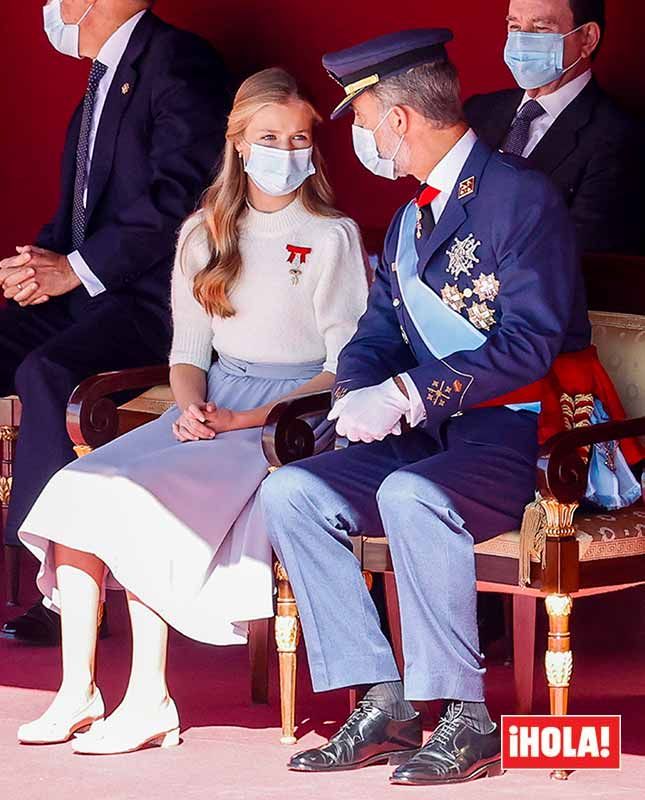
62, 36
279, 172
366, 149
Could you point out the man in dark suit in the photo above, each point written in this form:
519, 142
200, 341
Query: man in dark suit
93, 293
564, 124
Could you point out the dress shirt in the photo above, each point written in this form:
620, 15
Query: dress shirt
554, 104
110, 54
444, 177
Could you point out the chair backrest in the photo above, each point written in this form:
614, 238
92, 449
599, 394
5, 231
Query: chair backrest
620, 339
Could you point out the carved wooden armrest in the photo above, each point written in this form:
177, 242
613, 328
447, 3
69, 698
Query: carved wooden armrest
562, 471
92, 416
287, 435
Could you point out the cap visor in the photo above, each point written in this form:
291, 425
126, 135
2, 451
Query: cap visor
345, 106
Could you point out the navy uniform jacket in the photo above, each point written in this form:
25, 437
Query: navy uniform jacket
159, 139
528, 243
593, 153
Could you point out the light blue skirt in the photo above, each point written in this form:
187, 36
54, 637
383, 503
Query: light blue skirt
178, 524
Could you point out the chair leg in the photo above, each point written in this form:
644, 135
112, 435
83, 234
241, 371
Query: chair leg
524, 615
287, 636
394, 618
12, 553
559, 658
259, 660
12, 559
507, 600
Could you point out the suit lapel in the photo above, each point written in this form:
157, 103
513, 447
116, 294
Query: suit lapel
117, 101
562, 137
455, 213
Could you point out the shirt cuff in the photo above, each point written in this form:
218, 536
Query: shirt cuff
89, 280
416, 412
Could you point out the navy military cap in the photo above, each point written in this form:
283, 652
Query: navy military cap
364, 65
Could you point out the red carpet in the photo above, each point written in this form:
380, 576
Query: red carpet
231, 749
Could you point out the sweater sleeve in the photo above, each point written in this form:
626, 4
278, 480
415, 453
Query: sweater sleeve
340, 297
192, 326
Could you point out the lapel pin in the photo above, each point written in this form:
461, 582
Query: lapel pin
125, 88
466, 187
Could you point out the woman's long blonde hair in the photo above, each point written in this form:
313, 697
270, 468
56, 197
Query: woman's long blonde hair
225, 201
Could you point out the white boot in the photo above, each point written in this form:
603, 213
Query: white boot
160, 729
52, 728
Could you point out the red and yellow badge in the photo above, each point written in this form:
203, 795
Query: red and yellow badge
297, 257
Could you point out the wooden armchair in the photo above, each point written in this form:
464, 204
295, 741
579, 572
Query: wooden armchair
596, 553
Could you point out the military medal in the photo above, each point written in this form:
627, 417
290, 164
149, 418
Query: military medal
452, 297
486, 287
481, 316
297, 257
462, 256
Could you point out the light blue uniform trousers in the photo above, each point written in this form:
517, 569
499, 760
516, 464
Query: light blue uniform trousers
433, 496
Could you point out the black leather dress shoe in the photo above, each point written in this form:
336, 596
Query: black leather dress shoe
455, 753
369, 736
41, 626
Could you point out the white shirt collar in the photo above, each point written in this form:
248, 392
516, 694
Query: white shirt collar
555, 103
445, 174
112, 51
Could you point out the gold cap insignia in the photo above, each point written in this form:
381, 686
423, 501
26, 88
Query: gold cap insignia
466, 187
125, 88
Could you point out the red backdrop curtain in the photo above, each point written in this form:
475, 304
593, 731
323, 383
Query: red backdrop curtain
40, 88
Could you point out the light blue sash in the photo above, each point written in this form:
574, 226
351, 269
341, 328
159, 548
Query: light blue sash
611, 484
442, 330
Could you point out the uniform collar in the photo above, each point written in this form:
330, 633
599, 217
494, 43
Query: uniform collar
445, 174
113, 49
555, 103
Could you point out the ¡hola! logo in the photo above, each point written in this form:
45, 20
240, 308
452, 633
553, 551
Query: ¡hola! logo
567, 743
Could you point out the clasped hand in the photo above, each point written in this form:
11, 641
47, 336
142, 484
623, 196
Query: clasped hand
35, 275
201, 421
370, 414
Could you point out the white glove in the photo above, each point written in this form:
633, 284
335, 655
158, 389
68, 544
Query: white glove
370, 414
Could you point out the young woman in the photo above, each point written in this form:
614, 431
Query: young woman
272, 279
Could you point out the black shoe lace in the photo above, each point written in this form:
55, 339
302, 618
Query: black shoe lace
448, 725
361, 712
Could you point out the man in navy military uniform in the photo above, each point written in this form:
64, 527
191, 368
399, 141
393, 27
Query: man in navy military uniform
477, 292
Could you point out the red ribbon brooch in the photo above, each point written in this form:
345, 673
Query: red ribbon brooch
299, 253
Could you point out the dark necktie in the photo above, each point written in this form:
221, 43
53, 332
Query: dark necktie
425, 218
82, 151
518, 136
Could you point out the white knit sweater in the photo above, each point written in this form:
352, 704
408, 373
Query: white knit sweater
276, 321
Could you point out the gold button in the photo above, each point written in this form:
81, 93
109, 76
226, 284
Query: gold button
468, 293
396, 302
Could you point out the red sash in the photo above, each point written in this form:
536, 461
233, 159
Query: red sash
572, 373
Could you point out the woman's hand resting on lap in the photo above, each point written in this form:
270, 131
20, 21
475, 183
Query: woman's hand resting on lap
200, 421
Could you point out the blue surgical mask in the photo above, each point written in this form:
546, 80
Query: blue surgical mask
63, 36
537, 59
279, 172
366, 149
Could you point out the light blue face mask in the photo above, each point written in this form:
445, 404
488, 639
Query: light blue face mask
537, 59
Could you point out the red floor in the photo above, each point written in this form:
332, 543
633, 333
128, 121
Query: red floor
231, 749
